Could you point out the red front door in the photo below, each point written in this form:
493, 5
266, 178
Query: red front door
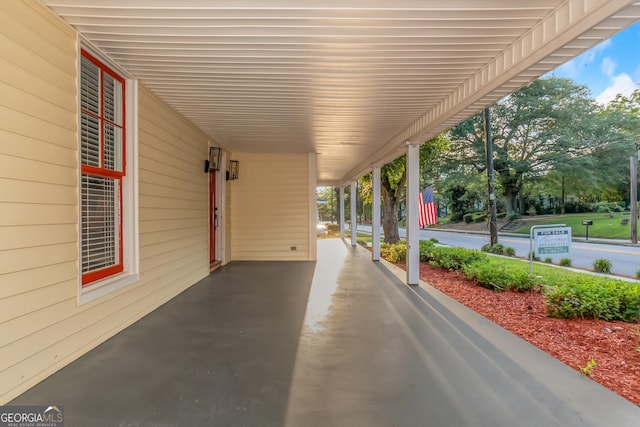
213, 217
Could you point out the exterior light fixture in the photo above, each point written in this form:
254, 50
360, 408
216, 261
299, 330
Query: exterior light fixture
213, 162
232, 173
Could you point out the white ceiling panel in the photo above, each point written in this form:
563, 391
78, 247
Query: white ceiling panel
351, 80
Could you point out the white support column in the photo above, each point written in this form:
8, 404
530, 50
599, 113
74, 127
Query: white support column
313, 208
413, 236
375, 223
342, 212
354, 226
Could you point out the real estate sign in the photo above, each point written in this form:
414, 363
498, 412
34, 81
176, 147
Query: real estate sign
552, 240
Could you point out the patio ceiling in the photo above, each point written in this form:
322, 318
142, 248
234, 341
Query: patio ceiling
351, 80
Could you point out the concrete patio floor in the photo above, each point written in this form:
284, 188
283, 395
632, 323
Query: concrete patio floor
341, 342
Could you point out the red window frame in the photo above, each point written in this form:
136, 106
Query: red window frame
102, 273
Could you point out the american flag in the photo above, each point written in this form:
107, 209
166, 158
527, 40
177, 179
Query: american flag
428, 214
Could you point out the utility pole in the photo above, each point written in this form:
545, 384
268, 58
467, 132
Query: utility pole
488, 147
633, 198
564, 206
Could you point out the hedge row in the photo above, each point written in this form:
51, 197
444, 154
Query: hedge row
577, 296
594, 297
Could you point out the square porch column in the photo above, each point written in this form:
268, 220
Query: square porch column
354, 237
342, 219
413, 231
375, 223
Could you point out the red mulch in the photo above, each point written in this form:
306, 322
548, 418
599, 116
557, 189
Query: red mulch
613, 345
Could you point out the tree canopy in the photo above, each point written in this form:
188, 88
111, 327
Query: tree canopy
552, 124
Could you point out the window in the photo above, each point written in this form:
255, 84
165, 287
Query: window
102, 140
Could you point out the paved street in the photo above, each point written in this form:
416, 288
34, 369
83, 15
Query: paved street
625, 259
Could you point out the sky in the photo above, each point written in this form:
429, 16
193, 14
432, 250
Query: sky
608, 69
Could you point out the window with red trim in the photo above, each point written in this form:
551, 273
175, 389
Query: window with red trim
102, 140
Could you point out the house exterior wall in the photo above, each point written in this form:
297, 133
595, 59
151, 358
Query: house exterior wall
174, 202
270, 209
42, 326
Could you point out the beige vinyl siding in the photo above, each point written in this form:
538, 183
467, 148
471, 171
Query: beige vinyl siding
38, 187
173, 200
270, 207
42, 327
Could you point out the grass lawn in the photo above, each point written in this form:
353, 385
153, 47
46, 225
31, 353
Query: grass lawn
605, 226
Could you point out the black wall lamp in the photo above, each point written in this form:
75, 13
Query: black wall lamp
213, 162
232, 173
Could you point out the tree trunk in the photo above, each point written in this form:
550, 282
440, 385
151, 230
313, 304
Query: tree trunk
389, 217
512, 202
512, 186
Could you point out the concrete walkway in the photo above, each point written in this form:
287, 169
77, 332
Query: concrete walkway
240, 349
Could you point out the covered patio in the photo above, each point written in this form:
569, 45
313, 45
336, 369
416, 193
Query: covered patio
240, 349
109, 111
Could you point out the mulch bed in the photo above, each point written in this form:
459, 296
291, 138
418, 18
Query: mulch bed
612, 345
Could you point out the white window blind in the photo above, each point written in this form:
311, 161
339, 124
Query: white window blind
113, 123
100, 237
90, 119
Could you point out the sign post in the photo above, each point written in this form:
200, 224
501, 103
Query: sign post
548, 239
587, 223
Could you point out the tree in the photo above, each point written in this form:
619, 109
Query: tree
627, 104
599, 169
464, 191
393, 180
327, 201
532, 130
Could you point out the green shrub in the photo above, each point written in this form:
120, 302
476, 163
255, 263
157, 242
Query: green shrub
587, 369
362, 242
637, 274
602, 265
449, 258
606, 207
333, 228
532, 255
548, 260
593, 297
434, 240
479, 217
394, 253
426, 247
565, 262
495, 276
499, 249
532, 211
467, 218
